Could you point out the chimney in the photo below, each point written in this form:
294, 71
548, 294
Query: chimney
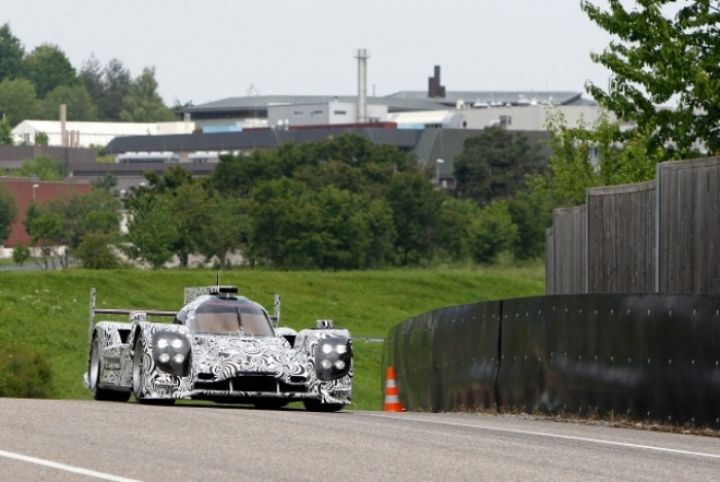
362, 56
435, 89
63, 125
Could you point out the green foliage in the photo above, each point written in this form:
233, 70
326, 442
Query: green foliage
80, 106
150, 230
453, 231
41, 139
8, 212
11, 54
531, 211
5, 132
415, 206
42, 167
655, 59
492, 232
494, 163
95, 251
47, 67
574, 169
18, 100
20, 254
142, 103
24, 372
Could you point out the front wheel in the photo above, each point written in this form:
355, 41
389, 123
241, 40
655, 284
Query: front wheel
138, 377
94, 371
317, 406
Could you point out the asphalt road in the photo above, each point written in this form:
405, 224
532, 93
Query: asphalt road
77, 440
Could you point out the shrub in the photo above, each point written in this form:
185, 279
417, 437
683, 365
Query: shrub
492, 232
20, 254
95, 251
24, 372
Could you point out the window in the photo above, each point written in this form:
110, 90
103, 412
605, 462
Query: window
298, 112
340, 112
230, 317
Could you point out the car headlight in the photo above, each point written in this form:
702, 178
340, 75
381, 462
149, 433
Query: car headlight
171, 352
333, 358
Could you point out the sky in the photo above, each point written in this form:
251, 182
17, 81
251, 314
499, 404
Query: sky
212, 49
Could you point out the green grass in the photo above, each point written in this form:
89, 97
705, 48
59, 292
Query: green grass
49, 310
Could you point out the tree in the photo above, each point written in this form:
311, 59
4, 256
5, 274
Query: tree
149, 231
142, 102
45, 228
47, 67
453, 232
492, 232
20, 254
531, 211
8, 212
41, 139
115, 86
11, 54
655, 59
91, 77
18, 100
95, 251
5, 132
415, 206
42, 167
80, 106
494, 163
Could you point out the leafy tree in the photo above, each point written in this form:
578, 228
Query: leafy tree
225, 229
492, 232
80, 106
115, 86
11, 54
415, 206
531, 211
453, 232
5, 132
150, 233
95, 251
41, 139
494, 163
143, 103
91, 77
8, 212
47, 67
43, 167
20, 254
45, 228
18, 100
656, 58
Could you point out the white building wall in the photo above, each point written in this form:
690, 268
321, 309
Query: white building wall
329, 113
88, 134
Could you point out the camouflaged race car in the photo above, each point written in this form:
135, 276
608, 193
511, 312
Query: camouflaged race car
220, 347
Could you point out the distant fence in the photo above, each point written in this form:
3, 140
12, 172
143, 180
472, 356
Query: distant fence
11, 157
651, 357
660, 236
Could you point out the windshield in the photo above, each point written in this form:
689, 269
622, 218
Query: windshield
230, 317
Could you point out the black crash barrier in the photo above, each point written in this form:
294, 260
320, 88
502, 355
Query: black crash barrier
651, 356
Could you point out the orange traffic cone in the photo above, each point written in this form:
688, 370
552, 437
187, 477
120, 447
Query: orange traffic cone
392, 396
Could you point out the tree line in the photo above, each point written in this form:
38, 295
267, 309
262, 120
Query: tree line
33, 84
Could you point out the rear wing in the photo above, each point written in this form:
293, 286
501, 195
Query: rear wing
134, 314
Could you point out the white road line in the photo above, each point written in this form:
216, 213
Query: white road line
67, 468
549, 435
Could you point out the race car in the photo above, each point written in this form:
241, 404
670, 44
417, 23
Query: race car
220, 347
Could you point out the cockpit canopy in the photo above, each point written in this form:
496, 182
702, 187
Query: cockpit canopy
227, 316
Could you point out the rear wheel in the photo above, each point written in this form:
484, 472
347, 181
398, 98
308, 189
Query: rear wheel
138, 377
94, 371
317, 406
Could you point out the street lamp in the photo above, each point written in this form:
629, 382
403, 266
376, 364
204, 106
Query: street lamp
437, 170
34, 186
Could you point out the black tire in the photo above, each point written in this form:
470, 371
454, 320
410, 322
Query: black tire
94, 369
138, 372
317, 406
271, 404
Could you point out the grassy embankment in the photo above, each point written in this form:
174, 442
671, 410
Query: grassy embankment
49, 310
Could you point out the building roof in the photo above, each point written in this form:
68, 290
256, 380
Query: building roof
255, 139
104, 128
402, 101
23, 192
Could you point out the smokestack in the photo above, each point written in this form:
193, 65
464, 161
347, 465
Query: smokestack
362, 56
63, 126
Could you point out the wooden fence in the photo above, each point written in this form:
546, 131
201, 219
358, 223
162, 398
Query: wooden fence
658, 236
